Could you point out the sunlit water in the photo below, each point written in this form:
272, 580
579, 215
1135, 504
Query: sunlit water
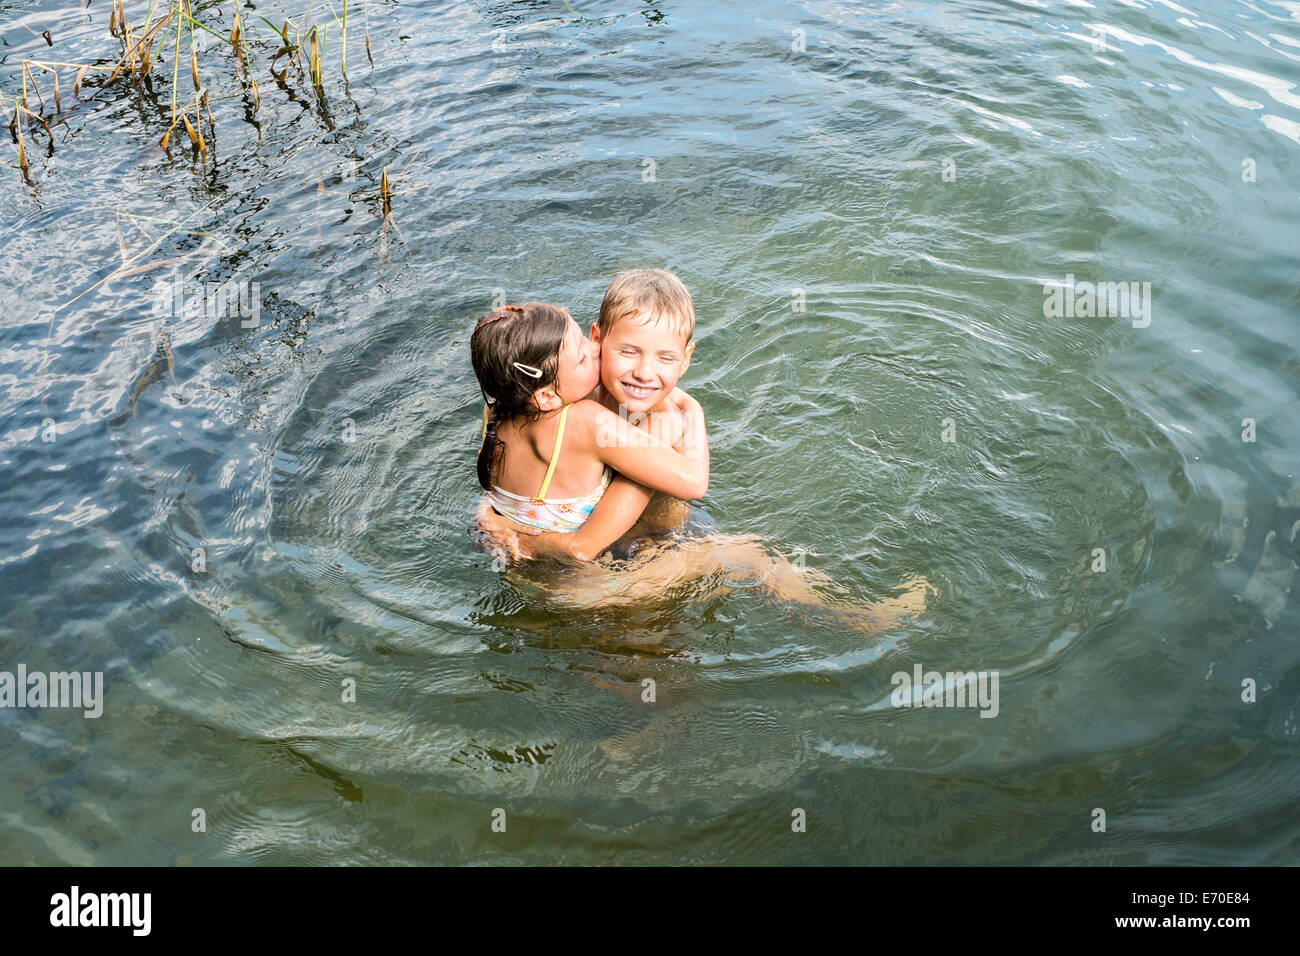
920, 172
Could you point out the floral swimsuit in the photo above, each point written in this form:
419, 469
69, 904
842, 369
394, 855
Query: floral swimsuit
557, 514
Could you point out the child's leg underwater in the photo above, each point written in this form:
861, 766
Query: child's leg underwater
717, 561
786, 581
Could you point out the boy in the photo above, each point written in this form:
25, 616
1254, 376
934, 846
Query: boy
644, 331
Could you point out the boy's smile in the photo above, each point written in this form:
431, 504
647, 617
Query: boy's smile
641, 359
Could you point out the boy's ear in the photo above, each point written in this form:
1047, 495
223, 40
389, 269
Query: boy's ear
595, 332
686, 359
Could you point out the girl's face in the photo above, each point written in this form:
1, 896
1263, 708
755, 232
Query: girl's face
579, 369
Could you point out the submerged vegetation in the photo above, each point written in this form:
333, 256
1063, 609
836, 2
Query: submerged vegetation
170, 37
182, 54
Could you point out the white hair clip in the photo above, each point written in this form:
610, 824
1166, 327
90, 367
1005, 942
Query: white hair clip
529, 370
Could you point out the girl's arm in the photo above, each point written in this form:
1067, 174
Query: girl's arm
642, 457
617, 511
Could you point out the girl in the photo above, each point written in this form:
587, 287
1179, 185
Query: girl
536, 369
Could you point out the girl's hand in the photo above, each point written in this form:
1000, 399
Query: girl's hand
692, 422
682, 402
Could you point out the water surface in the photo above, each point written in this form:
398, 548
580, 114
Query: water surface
917, 173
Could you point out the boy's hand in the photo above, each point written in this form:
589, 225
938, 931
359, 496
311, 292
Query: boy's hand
504, 534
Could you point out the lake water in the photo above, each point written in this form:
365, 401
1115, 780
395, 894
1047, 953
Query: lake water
875, 207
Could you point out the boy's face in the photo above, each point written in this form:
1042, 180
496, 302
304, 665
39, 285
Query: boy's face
641, 359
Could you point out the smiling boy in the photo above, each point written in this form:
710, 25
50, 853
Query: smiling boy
644, 332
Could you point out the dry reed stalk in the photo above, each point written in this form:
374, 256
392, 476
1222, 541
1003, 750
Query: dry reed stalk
176, 68
126, 32
146, 53
137, 58
41, 120
314, 62
28, 74
22, 152
29, 65
365, 16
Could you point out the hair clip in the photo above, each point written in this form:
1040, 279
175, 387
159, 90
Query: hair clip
529, 370
512, 308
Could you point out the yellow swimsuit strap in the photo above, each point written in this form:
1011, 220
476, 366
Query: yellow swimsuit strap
555, 454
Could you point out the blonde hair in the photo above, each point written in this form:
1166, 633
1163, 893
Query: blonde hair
654, 291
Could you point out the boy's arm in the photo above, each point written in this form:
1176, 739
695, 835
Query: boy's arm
617, 511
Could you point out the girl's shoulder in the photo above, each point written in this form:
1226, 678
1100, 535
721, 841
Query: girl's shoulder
585, 418
537, 435
587, 409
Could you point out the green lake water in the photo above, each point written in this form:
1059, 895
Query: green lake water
871, 204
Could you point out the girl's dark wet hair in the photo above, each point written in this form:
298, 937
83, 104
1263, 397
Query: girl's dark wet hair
516, 351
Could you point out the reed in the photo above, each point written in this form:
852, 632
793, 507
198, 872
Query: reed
162, 35
314, 58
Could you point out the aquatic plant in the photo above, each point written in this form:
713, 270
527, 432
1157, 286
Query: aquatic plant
166, 36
